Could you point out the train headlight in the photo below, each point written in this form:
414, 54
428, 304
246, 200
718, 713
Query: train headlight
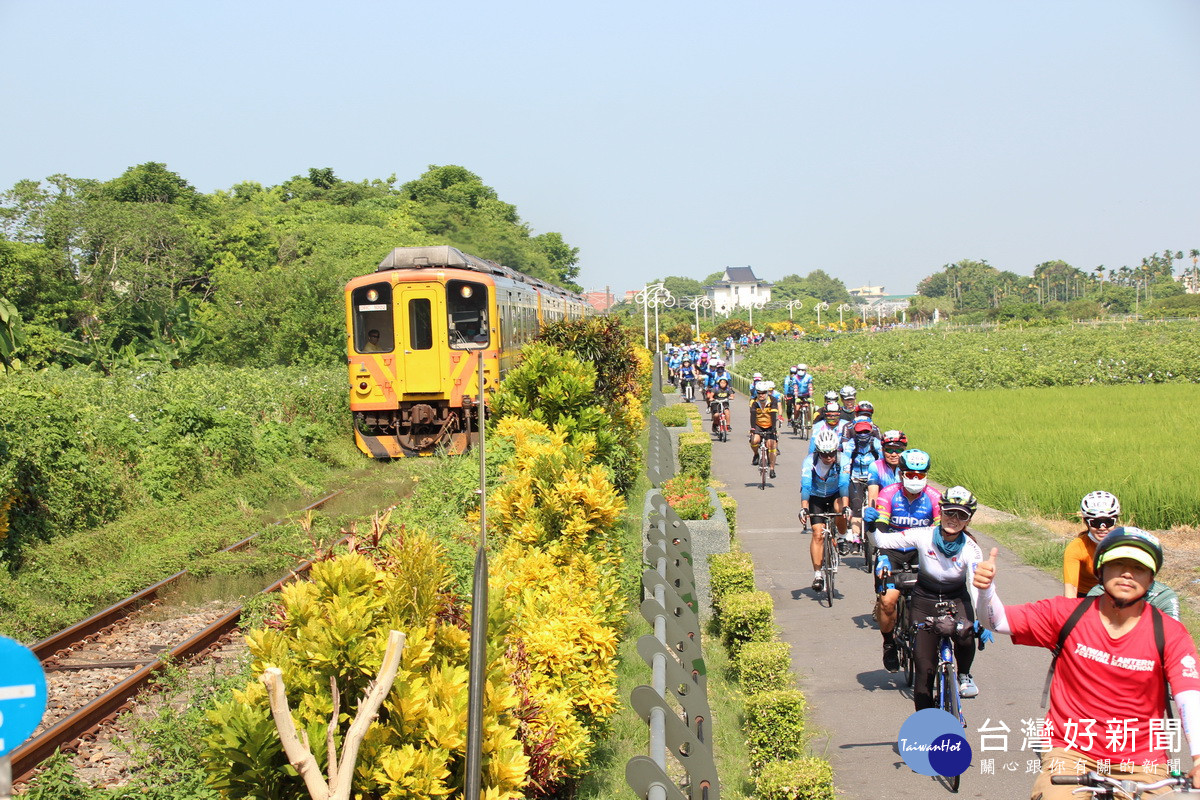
466, 291
372, 295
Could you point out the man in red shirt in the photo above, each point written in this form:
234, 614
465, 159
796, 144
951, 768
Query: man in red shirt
1108, 696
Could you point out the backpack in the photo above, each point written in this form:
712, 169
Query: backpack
1073, 620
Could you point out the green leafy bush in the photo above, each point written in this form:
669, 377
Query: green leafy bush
729, 504
764, 666
695, 454
808, 778
672, 416
775, 726
746, 617
730, 573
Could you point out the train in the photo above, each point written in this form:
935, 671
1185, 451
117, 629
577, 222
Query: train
414, 331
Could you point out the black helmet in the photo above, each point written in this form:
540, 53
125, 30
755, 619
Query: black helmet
959, 497
1129, 542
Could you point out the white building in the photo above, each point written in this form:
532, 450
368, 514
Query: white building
738, 288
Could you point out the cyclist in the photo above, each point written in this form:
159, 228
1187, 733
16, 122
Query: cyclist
764, 418
824, 489
863, 450
799, 393
687, 373
819, 415
719, 400
1116, 655
830, 421
754, 381
715, 374
946, 566
886, 471
789, 392
849, 407
865, 410
674, 362
911, 503
1101, 512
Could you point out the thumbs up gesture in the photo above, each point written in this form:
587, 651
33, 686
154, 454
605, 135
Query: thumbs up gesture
985, 573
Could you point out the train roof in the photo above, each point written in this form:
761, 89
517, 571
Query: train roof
446, 257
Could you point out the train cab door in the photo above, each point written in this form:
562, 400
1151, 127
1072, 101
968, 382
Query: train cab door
420, 368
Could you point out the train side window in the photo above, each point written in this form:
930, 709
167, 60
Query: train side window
420, 324
373, 328
467, 308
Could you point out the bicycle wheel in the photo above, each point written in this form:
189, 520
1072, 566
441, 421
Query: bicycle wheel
762, 465
868, 549
828, 568
948, 690
905, 641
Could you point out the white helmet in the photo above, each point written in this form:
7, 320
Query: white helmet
757, 376
827, 441
1100, 504
802, 367
766, 386
847, 392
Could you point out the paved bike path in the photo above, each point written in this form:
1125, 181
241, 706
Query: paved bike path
856, 707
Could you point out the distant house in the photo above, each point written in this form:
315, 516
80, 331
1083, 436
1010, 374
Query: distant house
867, 292
738, 288
601, 301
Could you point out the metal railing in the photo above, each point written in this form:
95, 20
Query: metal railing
678, 673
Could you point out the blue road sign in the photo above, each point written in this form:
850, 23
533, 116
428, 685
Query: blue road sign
22, 694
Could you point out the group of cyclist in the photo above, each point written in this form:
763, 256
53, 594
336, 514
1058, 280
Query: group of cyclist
1116, 652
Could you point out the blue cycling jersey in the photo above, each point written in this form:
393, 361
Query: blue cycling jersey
803, 385
862, 458
715, 376
882, 475
836, 481
817, 428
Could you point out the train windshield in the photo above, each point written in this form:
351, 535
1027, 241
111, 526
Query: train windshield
373, 329
467, 308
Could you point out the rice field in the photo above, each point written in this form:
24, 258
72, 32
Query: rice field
1039, 450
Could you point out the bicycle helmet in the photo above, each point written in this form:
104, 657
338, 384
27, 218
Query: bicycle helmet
827, 441
757, 376
1129, 542
895, 439
847, 392
865, 408
914, 461
831, 396
1100, 504
959, 497
802, 368
766, 386
792, 370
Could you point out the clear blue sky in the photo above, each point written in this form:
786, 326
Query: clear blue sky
875, 140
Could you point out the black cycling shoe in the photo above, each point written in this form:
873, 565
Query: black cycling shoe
818, 586
772, 473
891, 660
754, 463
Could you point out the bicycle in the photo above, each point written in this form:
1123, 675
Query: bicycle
904, 634
858, 496
1106, 787
805, 411
689, 390
764, 461
795, 417
830, 558
945, 676
721, 418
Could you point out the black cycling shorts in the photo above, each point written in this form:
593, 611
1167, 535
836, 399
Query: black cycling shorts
766, 433
822, 505
898, 558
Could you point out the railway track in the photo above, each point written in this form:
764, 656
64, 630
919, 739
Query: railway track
95, 667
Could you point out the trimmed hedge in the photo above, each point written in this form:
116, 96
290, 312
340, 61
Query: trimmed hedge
764, 666
747, 617
808, 778
729, 573
730, 505
775, 726
672, 416
695, 454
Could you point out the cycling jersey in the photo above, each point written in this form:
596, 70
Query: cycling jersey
834, 483
804, 384
714, 376
1077, 563
722, 395
897, 511
862, 459
1128, 668
882, 475
763, 416
937, 572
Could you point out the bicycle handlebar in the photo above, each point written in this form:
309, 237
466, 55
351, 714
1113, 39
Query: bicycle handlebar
1105, 785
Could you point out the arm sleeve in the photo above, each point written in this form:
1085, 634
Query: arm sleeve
990, 611
895, 539
806, 480
844, 477
1189, 717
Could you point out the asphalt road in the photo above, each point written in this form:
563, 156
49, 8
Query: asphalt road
856, 707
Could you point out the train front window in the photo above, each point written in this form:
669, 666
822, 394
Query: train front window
466, 306
420, 324
373, 329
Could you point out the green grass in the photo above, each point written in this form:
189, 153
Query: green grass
1038, 451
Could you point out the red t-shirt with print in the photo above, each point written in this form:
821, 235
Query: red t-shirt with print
1106, 691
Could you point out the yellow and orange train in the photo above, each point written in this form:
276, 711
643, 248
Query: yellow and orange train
414, 329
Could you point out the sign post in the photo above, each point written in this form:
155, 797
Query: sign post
22, 703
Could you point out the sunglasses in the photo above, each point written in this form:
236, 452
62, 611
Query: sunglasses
827, 455
893, 451
955, 513
1101, 522
910, 474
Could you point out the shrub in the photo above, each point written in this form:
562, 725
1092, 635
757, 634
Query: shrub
689, 496
808, 778
336, 626
746, 617
695, 454
693, 415
764, 666
730, 505
730, 573
672, 416
775, 726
